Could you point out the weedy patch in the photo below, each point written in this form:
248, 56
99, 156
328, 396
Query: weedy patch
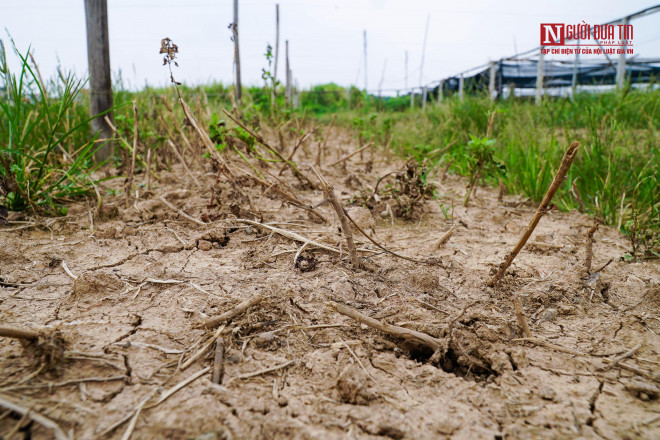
47, 153
407, 189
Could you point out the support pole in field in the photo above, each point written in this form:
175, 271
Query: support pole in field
424, 94
576, 66
491, 81
380, 84
277, 51
406, 66
100, 80
621, 66
237, 56
412, 98
461, 84
440, 86
421, 65
288, 72
366, 93
539, 78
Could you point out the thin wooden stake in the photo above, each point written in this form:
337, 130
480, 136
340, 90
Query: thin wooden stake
566, 163
277, 51
237, 56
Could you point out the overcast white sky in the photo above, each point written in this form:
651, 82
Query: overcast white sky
325, 36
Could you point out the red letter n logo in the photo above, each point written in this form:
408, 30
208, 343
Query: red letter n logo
552, 34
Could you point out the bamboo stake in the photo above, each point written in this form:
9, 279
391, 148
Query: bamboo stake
566, 163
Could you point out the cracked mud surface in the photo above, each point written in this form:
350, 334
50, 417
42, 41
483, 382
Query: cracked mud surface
488, 385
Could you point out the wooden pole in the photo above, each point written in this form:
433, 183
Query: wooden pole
539, 78
277, 50
288, 72
421, 66
237, 56
461, 84
380, 84
491, 82
100, 80
621, 66
440, 86
576, 65
364, 34
406, 62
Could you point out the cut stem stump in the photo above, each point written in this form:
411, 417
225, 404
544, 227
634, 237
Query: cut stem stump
566, 163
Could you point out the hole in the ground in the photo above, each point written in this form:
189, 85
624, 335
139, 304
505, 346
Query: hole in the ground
449, 363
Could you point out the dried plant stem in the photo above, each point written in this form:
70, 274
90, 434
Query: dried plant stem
291, 198
183, 162
393, 330
321, 151
218, 362
329, 191
176, 124
616, 360
576, 193
292, 235
445, 237
17, 333
136, 415
639, 371
261, 141
590, 248
167, 394
204, 348
131, 170
203, 135
181, 213
566, 163
446, 170
348, 156
42, 420
520, 316
378, 244
224, 317
264, 371
490, 123
149, 153
300, 141
116, 133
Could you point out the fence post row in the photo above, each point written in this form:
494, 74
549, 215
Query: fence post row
491, 81
460, 87
621, 66
100, 81
539, 77
288, 72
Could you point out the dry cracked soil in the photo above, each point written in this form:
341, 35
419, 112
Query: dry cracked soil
143, 277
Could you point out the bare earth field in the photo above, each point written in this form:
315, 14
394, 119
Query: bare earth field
296, 368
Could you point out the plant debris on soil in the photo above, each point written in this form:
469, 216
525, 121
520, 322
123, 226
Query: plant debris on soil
232, 311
